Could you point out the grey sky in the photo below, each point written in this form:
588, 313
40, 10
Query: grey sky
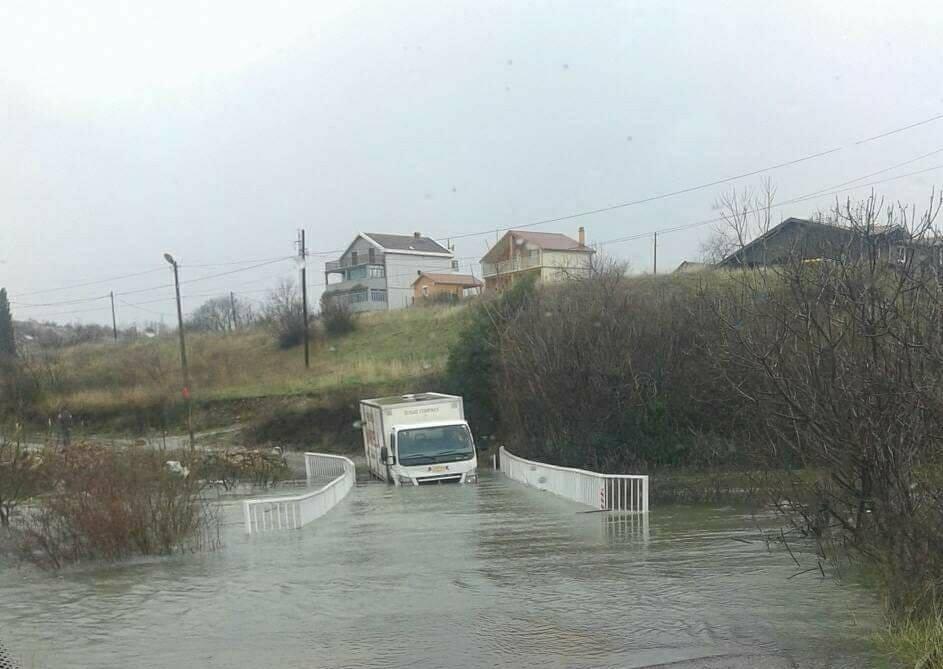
215, 129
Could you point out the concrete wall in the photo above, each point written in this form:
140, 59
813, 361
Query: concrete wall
561, 265
403, 268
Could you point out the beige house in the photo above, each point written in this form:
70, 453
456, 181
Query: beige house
547, 256
436, 286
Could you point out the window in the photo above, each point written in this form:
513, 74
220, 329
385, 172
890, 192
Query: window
425, 291
353, 258
357, 273
378, 295
371, 255
429, 445
358, 296
902, 254
376, 271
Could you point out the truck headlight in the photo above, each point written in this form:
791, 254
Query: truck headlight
471, 477
405, 480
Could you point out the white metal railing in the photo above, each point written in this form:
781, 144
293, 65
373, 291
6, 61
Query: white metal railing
610, 492
292, 512
514, 264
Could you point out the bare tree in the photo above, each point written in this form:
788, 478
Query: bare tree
216, 315
746, 214
20, 476
842, 362
284, 313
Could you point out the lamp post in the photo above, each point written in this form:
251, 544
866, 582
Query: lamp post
183, 349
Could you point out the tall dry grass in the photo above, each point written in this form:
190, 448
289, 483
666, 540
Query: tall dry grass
143, 378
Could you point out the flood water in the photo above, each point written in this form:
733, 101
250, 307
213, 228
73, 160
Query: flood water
494, 575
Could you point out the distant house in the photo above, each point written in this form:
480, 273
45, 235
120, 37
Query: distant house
546, 256
433, 286
807, 240
377, 271
689, 267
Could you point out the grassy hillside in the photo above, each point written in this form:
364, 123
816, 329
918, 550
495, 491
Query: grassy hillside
127, 384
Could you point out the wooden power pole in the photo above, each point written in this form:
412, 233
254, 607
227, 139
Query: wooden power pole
232, 304
655, 253
114, 321
302, 252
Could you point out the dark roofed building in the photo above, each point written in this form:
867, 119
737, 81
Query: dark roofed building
803, 239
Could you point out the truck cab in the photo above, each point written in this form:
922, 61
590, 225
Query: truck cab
419, 439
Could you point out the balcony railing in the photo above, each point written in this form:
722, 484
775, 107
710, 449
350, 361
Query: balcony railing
344, 263
513, 265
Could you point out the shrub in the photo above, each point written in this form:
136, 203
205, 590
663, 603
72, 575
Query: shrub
284, 313
473, 368
337, 318
112, 503
233, 466
21, 476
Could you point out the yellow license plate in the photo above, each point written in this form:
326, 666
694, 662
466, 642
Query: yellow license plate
440, 468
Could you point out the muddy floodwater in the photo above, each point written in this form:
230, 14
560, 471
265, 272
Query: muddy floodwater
493, 575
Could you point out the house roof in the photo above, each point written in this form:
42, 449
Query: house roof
690, 266
548, 241
464, 280
834, 232
406, 243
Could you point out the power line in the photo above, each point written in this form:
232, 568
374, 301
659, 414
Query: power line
688, 226
897, 130
90, 283
691, 189
21, 305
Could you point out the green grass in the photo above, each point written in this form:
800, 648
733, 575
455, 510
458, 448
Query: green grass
386, 349
918, 643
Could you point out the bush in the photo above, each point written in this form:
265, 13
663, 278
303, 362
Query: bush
109, 503
21, 476
241, 465
284, 313
337, 318
473, 368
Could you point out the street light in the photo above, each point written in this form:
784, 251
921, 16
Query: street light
183, 349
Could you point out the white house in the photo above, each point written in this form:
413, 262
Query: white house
377, 270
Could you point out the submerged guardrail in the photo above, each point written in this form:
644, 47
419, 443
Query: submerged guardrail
295, 511
608, 492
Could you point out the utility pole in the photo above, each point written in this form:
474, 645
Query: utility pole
655, 254
183, 350
304, 290
232, 303
114, 322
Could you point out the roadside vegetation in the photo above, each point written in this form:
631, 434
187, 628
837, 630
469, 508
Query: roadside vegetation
814, 387
811, 387
133, 386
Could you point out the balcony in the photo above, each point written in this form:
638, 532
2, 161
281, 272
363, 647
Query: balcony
515, 264
346, 263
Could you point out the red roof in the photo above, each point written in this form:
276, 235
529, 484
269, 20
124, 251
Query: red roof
464, 280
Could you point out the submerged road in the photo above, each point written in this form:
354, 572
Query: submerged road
494, 575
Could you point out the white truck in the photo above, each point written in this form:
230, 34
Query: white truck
418, 439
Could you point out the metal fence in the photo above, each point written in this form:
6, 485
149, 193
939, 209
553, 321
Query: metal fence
292, 512
609, 492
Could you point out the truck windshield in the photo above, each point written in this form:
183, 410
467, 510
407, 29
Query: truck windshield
427, 445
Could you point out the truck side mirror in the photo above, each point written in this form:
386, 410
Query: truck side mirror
384, 455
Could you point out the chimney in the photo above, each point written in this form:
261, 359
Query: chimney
417, 235
582, 237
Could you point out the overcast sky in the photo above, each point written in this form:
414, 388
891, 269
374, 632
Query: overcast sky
215, 129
